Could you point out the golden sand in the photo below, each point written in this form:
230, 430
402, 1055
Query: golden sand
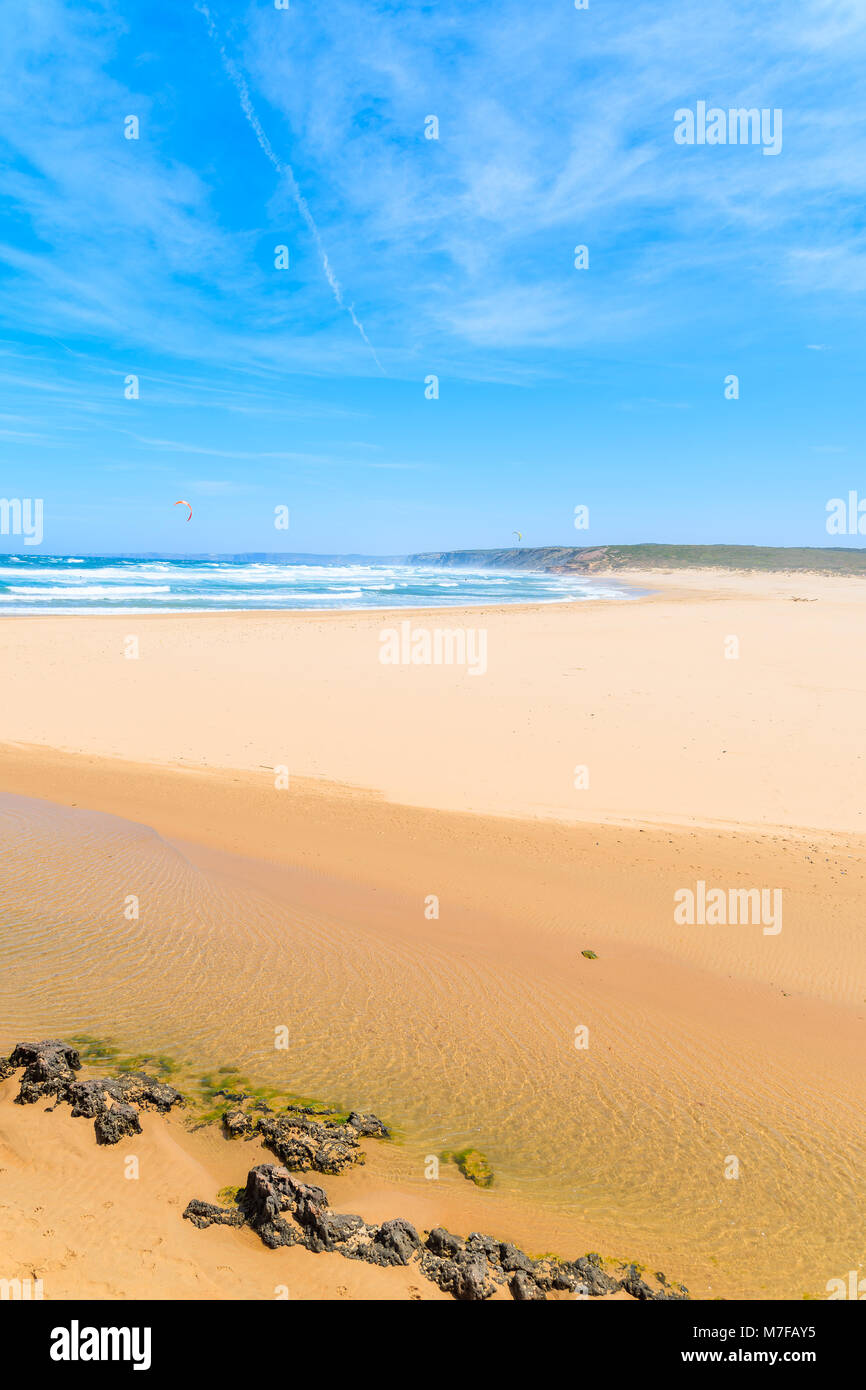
705, 1042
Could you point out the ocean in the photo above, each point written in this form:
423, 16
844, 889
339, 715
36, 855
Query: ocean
73, 584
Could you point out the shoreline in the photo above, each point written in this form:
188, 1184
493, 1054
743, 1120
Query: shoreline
324, 615
307, 902
473, 1269
357, 860
642, 585
639, 693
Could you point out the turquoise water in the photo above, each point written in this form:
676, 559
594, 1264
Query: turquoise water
74, 584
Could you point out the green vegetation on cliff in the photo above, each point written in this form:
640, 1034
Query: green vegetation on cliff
566, 559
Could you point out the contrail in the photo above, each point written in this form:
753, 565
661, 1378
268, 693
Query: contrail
286, 172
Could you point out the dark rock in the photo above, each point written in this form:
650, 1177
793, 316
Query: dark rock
88, 1098
486, 1246
277, 1233
334, 1228
523, 1289
590, 1276
49, 1067
398, 1241
302, 1143
368, 1125
551, 1274
464, 1272
472, 1282
634, 1285
269, 1192
638, 1288
560, 1277
111, 1103
324, 1230
438, 1270
513, 1259
441, 1242
116, 1122
302, 1138
239, 1124
204, 1214
137, 1088
471, 1270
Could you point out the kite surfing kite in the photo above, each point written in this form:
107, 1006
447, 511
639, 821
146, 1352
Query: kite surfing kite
182, 503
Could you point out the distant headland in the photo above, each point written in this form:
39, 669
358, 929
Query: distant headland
564, 559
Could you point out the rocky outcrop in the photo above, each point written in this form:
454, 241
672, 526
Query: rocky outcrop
273, 1195
284, 1210
113, 1103
368, 1125
302, 1139
49, 1067
204, 1214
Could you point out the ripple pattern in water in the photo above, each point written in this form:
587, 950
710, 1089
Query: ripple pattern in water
451, 1048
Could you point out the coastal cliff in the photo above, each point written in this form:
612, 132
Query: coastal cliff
567, 559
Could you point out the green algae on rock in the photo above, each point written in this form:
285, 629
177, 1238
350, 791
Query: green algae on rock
473, 1165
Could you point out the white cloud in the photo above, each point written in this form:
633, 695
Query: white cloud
555, 129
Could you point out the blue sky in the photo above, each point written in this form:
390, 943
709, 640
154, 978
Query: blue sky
410, 257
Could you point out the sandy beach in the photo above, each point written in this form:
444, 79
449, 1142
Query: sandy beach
642, 694
611, 755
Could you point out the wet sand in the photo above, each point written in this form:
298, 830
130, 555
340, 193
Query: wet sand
73, 1218
307, 906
